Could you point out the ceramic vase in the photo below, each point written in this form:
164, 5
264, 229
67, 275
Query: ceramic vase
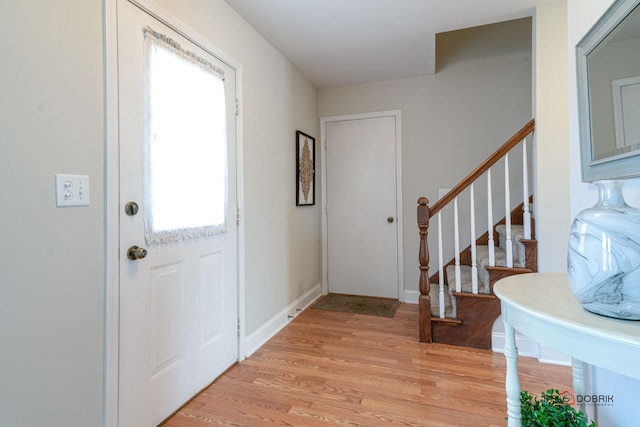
604, 255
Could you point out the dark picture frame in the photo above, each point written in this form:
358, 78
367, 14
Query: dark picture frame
305, 169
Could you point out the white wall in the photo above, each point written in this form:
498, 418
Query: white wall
552, 209
451, 121
51, 260
52, 264
582, 15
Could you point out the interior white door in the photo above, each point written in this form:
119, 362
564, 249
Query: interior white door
362, 239
626, 110
178, 305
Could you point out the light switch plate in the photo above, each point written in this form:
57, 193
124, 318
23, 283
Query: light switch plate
72, 190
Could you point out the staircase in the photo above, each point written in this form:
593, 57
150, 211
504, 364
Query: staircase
457, 303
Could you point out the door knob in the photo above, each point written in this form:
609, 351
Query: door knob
390, 219
136, 252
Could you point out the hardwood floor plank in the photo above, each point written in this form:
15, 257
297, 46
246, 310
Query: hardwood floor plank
357, 377
330, 368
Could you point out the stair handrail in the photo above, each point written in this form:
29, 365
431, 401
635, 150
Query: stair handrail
425, 212
482, 168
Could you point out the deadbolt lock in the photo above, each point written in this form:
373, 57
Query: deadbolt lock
131, 208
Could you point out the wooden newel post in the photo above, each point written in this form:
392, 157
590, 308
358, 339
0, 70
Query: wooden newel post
423, 259
423, 253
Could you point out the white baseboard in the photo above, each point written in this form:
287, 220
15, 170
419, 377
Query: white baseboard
549, 355
527, 347
411, 296
264, 333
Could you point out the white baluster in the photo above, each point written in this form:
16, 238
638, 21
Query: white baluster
507, 209
456, 232
440, 268
474, 266
492, 245
526, 215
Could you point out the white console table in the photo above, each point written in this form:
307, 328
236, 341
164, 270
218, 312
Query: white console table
542, 307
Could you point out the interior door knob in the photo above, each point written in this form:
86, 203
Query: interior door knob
136, 252
390, 219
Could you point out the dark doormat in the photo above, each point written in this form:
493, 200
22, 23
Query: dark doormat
381, 307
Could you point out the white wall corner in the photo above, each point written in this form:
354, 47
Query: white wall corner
264, 333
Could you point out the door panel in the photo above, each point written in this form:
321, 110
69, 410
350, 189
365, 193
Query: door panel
178, 305
361, 207
166, 319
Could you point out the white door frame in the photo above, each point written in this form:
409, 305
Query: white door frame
112, 194
396, 114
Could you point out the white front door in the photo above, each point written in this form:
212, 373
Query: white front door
362, 210
178, 304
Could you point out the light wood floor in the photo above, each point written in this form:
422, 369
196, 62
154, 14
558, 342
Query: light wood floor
327, 368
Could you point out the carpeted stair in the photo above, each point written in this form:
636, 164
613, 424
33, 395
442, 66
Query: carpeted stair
482, 256
469, 317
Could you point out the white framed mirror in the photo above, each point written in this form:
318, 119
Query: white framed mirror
608, 66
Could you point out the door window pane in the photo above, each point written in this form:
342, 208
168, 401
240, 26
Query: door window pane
186, 143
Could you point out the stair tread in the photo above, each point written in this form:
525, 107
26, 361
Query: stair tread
500, 256
517, 236
515, 229
434, 293
465, 279
482, 261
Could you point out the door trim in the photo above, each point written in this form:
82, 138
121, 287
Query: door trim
112, 193
396, 114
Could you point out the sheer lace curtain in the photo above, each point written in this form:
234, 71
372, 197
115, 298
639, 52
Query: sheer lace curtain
185, 141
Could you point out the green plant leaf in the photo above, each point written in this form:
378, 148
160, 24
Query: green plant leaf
550, 410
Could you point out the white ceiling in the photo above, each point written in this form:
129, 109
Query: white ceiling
342, 42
